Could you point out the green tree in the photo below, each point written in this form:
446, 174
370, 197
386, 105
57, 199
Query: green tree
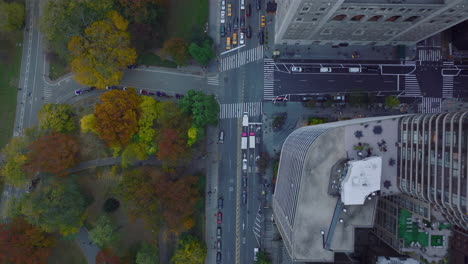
146, 131
202, 54
11, 16
88, 123
12, 170
262, 258
147, 254
203, 108
58, 206
104, 233
392, 102
58, 117
63, 19
99, 57
178, 49
133, 152
189, 250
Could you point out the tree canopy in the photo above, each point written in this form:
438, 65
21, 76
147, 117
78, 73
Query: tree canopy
107, 256
147, 254
262, 258
58, 206
117, 116
99, 56
21, 242
202, 54
53, 153
178, 49
189, 250
392, 102
203, 108
57, 117
15, 155
11, 16
104, 232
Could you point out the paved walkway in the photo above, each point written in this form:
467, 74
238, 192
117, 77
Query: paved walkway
88, 248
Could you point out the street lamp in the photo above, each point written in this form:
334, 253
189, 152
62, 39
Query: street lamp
323, 238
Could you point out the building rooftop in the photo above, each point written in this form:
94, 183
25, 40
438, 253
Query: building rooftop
362, 180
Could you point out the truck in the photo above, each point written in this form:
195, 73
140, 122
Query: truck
244, 140
252, 140
245, 119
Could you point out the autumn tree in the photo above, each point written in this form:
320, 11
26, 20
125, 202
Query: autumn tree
107, 256
57, 117
104, 233
21, 242
56, 207
136, 188
178, 49
146, 131
117, 116
100, 55
53, 153
11, 16
88, 123
202, 54
392, 102
133, 152
12, 170
62, 19
147, 254
178, 198
189, 250
142, 11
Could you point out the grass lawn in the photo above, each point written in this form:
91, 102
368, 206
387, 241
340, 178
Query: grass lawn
185, 17
151, 59
57, 67
66, 251
10, 63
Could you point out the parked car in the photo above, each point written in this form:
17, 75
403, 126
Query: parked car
222, 31
242, 22
111, 87
220, 203
355, 69
244, 165
179, 96
228, 43
325, 69
220, 218
82, 91
218, 257
144, 92
234, 38
244, 182
280, 98
132, 66
244, 197
248, 11
218, 232
241, 38
322, 98
229, 28
218, 245
262, 21
229, 11
242, 4
161, 94
248, 32
259, 4
223, 16
236, 23
223, 4
261, 37
296, 69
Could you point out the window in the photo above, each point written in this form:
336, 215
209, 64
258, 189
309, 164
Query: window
432, 21
357, 18
305, 9
322, 9
339, 17
374, 18
299, 19
326, 32
402, 9
314, 19
393, 18
390, 33
411, 18
359, 32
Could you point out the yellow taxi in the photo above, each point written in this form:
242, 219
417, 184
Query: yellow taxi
228, 43
229, 10
263, 21
234, 38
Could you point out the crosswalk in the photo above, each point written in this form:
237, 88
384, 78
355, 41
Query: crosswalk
213, 80
238, 59
257, 228
412, 86
429, 54
47, 92
268, 78
430, 105
236, 110
447, 82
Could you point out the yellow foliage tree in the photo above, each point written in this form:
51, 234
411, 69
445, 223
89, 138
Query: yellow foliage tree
100, 55
192, 135
88, 123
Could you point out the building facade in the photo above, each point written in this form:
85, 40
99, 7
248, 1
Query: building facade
365, 22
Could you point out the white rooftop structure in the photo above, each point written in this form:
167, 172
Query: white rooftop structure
363, 178
387, 260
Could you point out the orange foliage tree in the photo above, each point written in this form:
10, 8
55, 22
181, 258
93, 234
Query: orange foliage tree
53, 153
21, 242
107, 256
117, 116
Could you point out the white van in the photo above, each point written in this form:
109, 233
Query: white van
355, 69
255, 253
242, 4
325, 69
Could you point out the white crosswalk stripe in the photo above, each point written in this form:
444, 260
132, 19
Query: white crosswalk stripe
258, 225
241, 58
447, 86
236, 110
429, 54
213, 80
412, 86
430, 105
47, 92
268, 78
